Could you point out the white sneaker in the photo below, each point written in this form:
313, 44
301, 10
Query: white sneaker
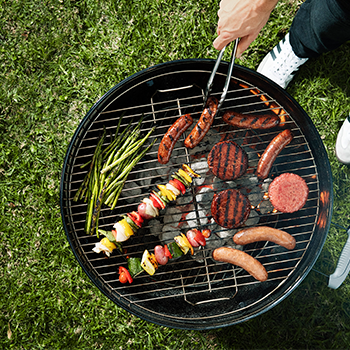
342, 145
281, 63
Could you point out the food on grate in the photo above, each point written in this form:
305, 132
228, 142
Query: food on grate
250, 121
204, 123
147, 209
124, 275
151, 261
159, 253
242, 259
227, 160
288, 193
271, 152
230, 208
108, 170
264, 233
167, 144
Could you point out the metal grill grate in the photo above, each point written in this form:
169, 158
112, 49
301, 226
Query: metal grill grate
197, 279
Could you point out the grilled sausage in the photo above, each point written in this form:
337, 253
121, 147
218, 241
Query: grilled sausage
230, 208
204, 123
250, 121
242, 259
167, 144
264, 233
271, 152
227, 160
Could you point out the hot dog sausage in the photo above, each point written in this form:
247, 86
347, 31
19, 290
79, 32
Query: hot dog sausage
264, 233
204, 123
250, 121
271, 152
167, 144
242, 259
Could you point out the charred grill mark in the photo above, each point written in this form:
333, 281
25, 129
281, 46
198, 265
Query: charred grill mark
254, 121
227, 209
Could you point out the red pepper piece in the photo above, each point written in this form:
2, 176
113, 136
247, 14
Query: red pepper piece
155, 201
179, 185
136, 218
199, 238
124, 275
167, 252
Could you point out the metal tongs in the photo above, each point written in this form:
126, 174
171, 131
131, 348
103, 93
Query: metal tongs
228, 77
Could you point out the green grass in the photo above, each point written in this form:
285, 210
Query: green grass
57, 59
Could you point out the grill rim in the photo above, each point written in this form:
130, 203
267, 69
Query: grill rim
270, 88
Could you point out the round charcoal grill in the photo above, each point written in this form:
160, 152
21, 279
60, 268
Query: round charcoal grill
195, 292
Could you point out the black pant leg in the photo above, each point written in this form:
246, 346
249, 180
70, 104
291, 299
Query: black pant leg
320, 26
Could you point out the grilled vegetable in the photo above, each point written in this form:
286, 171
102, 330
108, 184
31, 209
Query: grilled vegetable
105, 246
109, 168
149, 262
134, 266
124, 275
175, 250
184, 244
149, 208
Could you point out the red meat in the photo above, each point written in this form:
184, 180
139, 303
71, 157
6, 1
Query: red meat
230, 208
288, 193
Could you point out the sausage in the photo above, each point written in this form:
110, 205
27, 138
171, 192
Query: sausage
250, 121
264, 233
167, 144
271, 152
204, 123
242, 259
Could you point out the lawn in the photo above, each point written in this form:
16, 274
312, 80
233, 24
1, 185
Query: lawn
57, 59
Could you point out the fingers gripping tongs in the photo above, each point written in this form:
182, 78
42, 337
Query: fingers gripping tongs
228, 77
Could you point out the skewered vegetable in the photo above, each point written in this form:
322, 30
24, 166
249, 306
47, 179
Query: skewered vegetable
149, 207
150, 262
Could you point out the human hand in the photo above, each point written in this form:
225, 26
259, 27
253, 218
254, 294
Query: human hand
241, 19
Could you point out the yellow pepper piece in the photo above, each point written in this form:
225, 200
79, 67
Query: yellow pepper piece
188, 243
128, 230
185, 175
108, 244
167, 193
149, 262
183, 244
189, 171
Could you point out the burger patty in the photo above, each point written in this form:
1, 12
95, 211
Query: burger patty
230, 208
288, 192
227, 160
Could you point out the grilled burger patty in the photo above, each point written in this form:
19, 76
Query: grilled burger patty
227, 160
288, 192
230, 208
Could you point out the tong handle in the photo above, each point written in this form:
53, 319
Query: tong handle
343, 266
228, 77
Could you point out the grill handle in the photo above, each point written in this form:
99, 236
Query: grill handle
343, 266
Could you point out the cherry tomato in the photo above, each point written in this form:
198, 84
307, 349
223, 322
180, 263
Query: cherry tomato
122, 278
124, 275
206, 233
